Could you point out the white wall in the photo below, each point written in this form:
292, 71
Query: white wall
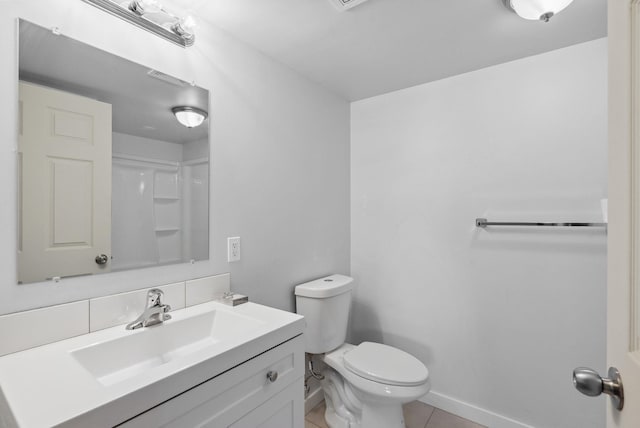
500, 316
280, 161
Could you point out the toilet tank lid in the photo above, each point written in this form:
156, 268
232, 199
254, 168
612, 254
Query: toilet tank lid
328, 286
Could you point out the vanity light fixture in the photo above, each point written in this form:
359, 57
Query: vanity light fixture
185, 28
541, 10
151, 16
189, 116
141, 7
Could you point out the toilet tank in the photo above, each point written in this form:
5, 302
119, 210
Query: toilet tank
325, 304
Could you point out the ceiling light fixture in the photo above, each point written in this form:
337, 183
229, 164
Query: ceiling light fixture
541, 10
151, 16
189, 116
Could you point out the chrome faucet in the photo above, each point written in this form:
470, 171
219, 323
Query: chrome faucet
154, 313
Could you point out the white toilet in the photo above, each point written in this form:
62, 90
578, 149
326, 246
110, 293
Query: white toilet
364, 386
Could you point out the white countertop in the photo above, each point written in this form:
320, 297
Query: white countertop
46, 386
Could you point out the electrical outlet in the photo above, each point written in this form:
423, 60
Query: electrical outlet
233, 249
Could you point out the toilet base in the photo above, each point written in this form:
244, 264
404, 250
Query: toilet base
373, 418
345, 410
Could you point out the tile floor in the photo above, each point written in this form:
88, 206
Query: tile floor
416, 415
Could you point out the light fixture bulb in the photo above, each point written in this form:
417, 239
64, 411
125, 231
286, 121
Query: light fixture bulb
536, 10
185, 27
142, 7
189, 116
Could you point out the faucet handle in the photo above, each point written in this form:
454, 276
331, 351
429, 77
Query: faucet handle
154, 297
165, 314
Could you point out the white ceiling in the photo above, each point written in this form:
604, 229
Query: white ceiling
385, 45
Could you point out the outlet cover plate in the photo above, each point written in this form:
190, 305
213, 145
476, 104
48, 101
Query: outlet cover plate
233, 249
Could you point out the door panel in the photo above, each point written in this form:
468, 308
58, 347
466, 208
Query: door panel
67, 124
282, 411
72, 199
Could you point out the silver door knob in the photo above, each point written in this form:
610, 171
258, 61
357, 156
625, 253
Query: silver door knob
589, 382
102, 259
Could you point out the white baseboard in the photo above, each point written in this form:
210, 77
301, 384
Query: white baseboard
314, 398
471, 412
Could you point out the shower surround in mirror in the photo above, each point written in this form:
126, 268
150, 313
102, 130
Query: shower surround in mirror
143, 200
160, 192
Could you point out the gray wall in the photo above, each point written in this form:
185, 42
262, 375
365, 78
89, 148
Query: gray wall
280, 161
500, 316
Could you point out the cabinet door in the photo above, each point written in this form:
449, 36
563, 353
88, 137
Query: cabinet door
227, 398
282, 411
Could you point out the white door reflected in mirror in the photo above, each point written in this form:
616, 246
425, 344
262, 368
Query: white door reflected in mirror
65, 181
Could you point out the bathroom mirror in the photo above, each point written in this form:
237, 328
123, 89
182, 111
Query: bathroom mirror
108, 178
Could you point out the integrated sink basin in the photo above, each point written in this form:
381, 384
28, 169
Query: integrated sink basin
121, 358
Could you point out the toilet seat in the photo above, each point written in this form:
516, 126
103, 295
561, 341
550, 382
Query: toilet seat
385, 364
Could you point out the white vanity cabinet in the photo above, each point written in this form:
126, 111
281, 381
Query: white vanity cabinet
264, 391
210, 365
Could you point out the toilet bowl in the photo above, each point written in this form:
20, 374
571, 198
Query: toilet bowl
366, 385
380, 378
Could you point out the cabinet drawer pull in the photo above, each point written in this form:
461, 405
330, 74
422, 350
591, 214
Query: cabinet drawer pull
272, 375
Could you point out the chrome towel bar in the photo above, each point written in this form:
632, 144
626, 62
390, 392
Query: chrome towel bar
483, 222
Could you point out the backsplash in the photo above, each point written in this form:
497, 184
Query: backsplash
28, 329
